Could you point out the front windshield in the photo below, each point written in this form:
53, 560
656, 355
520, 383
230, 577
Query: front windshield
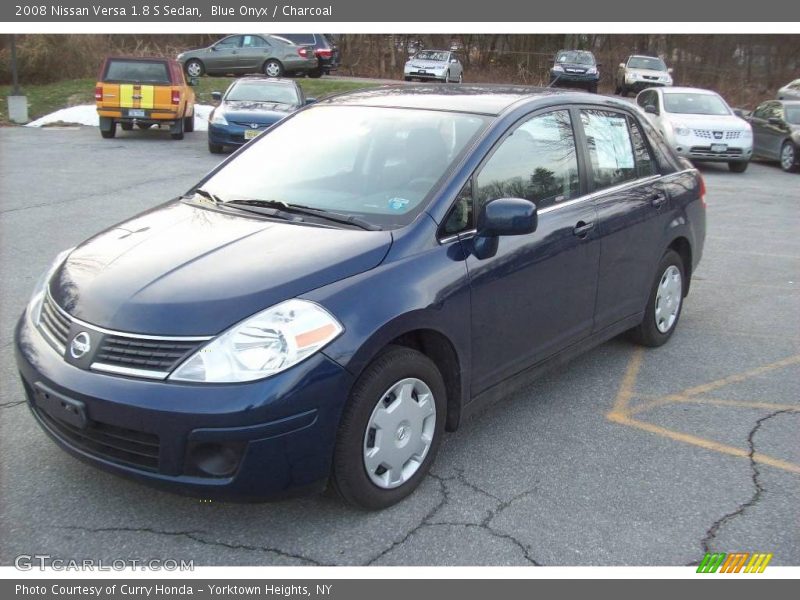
263, 91
577, 58
645, 62
431, 55
375, 163
695, 104
793, 115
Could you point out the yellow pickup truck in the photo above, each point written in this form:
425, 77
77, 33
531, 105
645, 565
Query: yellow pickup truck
144, 92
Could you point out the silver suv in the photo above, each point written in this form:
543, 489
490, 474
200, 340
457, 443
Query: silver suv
640, 72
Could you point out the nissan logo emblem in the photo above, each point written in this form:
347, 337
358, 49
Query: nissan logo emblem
81, 344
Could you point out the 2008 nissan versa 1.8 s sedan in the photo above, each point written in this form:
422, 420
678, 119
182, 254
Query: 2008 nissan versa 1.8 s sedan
326, 319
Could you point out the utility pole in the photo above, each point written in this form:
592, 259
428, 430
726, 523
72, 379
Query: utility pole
17, 102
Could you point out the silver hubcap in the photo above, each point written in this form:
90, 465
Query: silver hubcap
668, 298
273, 70
399, 433
787, 157
194, 69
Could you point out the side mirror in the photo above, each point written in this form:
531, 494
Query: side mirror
213, 48
740, 113
775, 121
453, 60
649, 108
194, 81
621, 65
504, 216
216, 96
310, 101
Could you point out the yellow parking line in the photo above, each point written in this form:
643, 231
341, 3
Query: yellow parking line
657, 401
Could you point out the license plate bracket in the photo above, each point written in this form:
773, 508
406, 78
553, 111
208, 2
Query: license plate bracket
58, 406
137, 112
250, 134
719, 147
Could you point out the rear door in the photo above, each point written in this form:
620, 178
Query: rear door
253, 53
536, 295
632, 208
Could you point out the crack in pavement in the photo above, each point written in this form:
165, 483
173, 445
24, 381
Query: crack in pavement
12, 403
484, 525
759, 488
195, 536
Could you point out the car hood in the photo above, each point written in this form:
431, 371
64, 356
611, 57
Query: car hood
428, 64
727, 122
255, 112
180, 269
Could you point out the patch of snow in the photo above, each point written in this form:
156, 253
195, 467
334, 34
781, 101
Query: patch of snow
86, 114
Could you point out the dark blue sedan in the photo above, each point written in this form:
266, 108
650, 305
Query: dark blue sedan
249, 107
411, 254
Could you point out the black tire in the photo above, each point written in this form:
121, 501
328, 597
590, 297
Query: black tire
315, 73
408, 78
738, 166
794, 167
215, 148
176, 133
126, 126
195, 63
349, 475
592, 88
273, 68
108, 130
188, 124
647, 332
623, 91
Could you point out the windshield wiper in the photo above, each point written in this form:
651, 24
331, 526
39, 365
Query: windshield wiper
299, 209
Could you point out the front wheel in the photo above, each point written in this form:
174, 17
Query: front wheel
273, 68
738, 166
194, 68
592, 88
391, 429
215, 148
789, 157
664, 304
108, 127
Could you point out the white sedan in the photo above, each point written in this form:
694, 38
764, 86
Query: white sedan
699, 125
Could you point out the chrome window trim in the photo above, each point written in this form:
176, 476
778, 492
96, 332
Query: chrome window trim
125, 334
117, 370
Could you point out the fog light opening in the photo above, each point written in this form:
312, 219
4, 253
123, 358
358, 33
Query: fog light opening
215, 459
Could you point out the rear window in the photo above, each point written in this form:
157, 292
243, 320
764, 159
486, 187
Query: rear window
299, 38
137, 71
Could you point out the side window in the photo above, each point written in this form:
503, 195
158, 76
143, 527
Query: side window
254, 41
233, 41
645, 165
610, 148
761, 111
460, 217
537, 162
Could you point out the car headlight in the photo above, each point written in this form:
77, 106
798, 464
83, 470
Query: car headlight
631, 77
40, 289
262, 345
217, 118
591, 71
558, 69
681, 130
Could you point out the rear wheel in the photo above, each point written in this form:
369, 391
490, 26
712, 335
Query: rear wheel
391, 429
188, 124
664, 304
315, 73
273, 68
108, 128
738, 166
789, 157
194, 68
176, 133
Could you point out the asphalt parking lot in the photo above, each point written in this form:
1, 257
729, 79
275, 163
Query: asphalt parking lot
625, 456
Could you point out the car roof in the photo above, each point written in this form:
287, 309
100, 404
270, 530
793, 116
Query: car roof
434, 50
481, 99
684, 90
642, 56
275, 80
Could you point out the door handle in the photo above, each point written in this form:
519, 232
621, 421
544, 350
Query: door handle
658, 200
582, 228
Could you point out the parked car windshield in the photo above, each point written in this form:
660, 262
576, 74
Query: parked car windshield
431, 55
695, 104
575, 57
143, 71
645, 62
263, 91
375, 163
793, 115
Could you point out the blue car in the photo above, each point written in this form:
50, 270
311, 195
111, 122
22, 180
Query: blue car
323, 321
250, 106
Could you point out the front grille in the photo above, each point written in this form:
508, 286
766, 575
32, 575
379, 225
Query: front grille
709, 134
117, 444
137, 353
54, 324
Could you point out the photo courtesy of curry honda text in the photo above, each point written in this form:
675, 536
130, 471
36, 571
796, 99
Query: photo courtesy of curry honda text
412, 251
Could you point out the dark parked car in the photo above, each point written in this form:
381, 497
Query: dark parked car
249, 107
325, 304
255, 53
776, 132
325, 49
575, 68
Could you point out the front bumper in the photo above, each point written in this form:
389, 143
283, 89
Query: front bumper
701, 148
425, 74
573, 79
233, 134
277, 435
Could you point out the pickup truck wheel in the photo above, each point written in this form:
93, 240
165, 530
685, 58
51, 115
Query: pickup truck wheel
194, 68
188, 124
390, 430
176, 133
273, 68
108, 128
664, 304
126, 126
